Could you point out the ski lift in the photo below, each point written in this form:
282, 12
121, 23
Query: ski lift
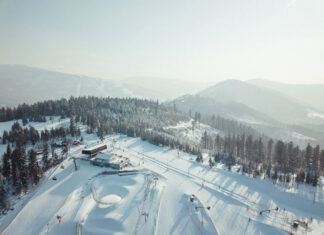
54, 178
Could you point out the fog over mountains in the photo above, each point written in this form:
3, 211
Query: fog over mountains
312, 94
275, 104
282, 111
27, 84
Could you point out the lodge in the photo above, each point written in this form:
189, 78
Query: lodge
94, 150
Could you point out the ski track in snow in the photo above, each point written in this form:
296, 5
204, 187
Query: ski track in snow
155, 200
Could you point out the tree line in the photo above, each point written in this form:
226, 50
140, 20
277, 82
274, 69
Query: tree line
21, 168
278, 160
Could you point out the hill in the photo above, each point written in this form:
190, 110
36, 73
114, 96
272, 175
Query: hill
272, 103
260, 123
26, 84
312, 94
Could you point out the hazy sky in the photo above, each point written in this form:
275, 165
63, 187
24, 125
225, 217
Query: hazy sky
280, 40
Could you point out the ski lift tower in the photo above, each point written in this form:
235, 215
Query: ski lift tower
75, 165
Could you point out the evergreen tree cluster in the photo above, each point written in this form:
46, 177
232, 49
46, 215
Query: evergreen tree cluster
276, 159
19, 170
18, 135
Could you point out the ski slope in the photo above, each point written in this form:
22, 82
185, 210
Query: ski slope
233, 198
156, 198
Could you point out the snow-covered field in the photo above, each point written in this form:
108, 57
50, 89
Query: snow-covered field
156, 200
186, 132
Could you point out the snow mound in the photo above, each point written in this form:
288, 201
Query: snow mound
111, 198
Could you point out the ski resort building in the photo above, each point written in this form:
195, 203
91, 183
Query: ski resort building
94, 150
117, 162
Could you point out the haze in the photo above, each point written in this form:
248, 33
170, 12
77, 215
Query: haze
280, 40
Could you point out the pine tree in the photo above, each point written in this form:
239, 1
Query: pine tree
297, 157
218, 143
316, 158
199, 157
101, 133
34, 169
211, 163
322, 161
204, 140
269, 151
217, 157
72, 126
24, 121
261, 152
291, 157
14, 167
308, 178
4, 204
300, 178
308, 157
315, 180
275, 175
5, 137
45, 156
6, 163
281, 155
249, 147
22, 166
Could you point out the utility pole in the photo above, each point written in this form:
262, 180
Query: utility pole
314, 196
75, 165
145, 216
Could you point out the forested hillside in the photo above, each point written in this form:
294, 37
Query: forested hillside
256, 154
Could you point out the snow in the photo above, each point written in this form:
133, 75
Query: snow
156, 199
315, 115
94, 147
296, 135
184, 131
56, 122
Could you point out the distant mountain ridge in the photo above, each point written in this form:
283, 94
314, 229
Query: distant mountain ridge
269, 111
312, 94
164, 87
272, 103
27, 84
228, 109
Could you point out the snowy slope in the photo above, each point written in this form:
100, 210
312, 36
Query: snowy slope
186, 132
156, 199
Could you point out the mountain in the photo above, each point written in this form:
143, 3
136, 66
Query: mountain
311, 94
268, 111
260, 122
27, 84
164, 88
272, 103
229, 109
